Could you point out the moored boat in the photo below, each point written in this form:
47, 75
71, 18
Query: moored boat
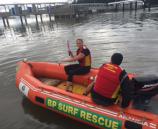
30, 80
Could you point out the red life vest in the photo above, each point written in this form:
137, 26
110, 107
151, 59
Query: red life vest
107, 82
86, 61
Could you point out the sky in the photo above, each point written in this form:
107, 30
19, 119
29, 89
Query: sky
28, 1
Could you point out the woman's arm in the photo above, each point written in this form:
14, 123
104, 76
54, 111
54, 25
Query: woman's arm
75, 58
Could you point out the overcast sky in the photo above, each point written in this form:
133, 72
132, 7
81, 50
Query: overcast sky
29, 1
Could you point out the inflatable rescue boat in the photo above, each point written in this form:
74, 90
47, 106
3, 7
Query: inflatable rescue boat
33, 79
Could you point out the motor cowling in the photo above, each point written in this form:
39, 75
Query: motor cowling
145, 87
146, 81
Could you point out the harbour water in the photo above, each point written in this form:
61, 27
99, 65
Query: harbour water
135, 34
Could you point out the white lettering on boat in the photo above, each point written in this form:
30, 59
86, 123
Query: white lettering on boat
150, 85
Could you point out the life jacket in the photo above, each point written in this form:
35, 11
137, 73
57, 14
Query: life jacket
86, 61
107, 82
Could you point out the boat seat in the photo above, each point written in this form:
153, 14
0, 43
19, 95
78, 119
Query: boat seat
77, 88
146, 79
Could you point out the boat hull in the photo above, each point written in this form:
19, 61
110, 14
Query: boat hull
76, 106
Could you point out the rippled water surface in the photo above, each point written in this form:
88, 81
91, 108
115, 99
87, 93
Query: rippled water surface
133, 34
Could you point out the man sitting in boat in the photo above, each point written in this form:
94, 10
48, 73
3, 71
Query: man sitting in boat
111, 80
83, 56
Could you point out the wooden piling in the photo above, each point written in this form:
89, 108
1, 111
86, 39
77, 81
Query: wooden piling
123, 7
149, 6
21, 20
131, 4
7, 22
50, 19
25, 20
4, 22
41, 18
144, 6
36, 18
116, 7
136, 6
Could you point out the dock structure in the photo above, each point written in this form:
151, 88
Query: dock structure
105, 7
126, 5
61, 9
27, 9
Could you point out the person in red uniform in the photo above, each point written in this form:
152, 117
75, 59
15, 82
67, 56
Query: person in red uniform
111, 80
83, 56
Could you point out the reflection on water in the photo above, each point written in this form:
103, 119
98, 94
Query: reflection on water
132, 33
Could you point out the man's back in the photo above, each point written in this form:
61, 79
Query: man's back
107, 82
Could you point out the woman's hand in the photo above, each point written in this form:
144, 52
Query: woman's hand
67, 60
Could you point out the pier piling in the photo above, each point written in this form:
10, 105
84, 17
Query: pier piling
131, 6
41, 18
50, 19
4, 22
7, 22
21, 20
123, 7
136, 5
25, 20
36, 16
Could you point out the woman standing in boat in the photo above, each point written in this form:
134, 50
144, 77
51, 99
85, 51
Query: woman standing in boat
83, 56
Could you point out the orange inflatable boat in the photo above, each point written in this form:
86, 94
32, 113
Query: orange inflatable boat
31, 81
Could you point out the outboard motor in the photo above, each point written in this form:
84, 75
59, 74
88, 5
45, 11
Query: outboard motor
145, 87
145, 82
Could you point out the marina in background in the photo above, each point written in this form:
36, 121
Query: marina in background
62, 9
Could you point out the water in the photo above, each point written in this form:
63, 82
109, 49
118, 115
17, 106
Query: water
133, 34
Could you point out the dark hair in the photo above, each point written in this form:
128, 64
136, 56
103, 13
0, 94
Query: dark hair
116, 58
